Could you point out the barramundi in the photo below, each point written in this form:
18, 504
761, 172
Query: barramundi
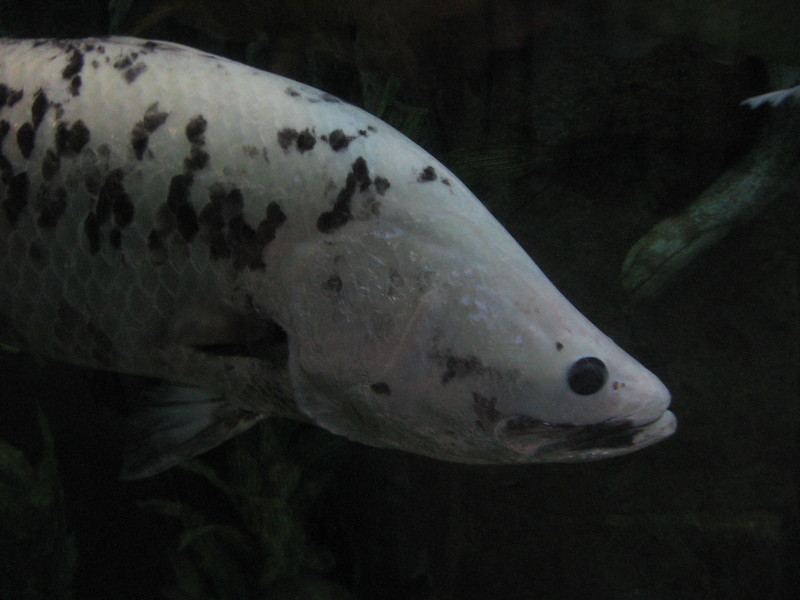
267, 249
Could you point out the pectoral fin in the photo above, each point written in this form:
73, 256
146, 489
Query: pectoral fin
177, 423
227, 332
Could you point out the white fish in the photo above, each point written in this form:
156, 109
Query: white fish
269, 249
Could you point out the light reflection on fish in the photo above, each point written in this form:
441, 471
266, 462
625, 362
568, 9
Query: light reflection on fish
268, 249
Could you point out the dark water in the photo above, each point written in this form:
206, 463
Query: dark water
581, 125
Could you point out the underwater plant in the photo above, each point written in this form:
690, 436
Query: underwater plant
244, 533
37, 551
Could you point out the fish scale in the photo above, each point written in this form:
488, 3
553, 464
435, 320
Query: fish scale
265, 247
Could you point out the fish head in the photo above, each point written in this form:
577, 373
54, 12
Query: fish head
448, 341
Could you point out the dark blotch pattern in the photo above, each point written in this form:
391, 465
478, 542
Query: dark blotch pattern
361, 173
428, 174
457, 367
17, 198
228, 235
132, 73
52, 206
71, 139
196, 129
38, 108
25, 136
50, 164
140, 134
6, 170
338, 140
91, 228
381, 388
74, 64
381, 185
178, 204
306, 141
286, 138
75, 85
358, 179
197, 159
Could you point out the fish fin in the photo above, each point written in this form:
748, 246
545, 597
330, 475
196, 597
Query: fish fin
773, 98
227, 332
177, 423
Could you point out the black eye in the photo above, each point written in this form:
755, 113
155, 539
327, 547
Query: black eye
587, 375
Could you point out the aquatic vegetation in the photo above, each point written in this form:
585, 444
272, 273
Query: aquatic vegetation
38, 551
246, 535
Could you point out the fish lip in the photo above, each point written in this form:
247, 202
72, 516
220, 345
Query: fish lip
538, 441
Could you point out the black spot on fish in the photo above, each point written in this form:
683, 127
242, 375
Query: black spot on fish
428, 174
74, 64
71, 139
91, 228
111, 192
153, 118
242, 239
446, 181
139, 140
340, 213
3, 94
140, 134
286, 138
17, 198
292, 92
75, 85
6, 170
25, 139
269, 226
38, 108
460, 367
195, 130
50, 164
338, 140
179, 191
333, 284
559, 346
114, 197
381, 388
133, 73
13, 97
331, 99
381, 185
361, 173
186, 221
197, 159
52, 206
306, 141
123, 63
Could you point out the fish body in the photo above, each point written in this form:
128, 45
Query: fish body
269, 249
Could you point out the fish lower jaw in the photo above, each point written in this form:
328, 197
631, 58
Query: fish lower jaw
536, 441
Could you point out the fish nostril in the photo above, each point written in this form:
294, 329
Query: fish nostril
587, 375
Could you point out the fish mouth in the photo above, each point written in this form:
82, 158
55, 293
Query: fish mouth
539, 441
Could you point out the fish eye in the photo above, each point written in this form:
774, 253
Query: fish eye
587, 375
